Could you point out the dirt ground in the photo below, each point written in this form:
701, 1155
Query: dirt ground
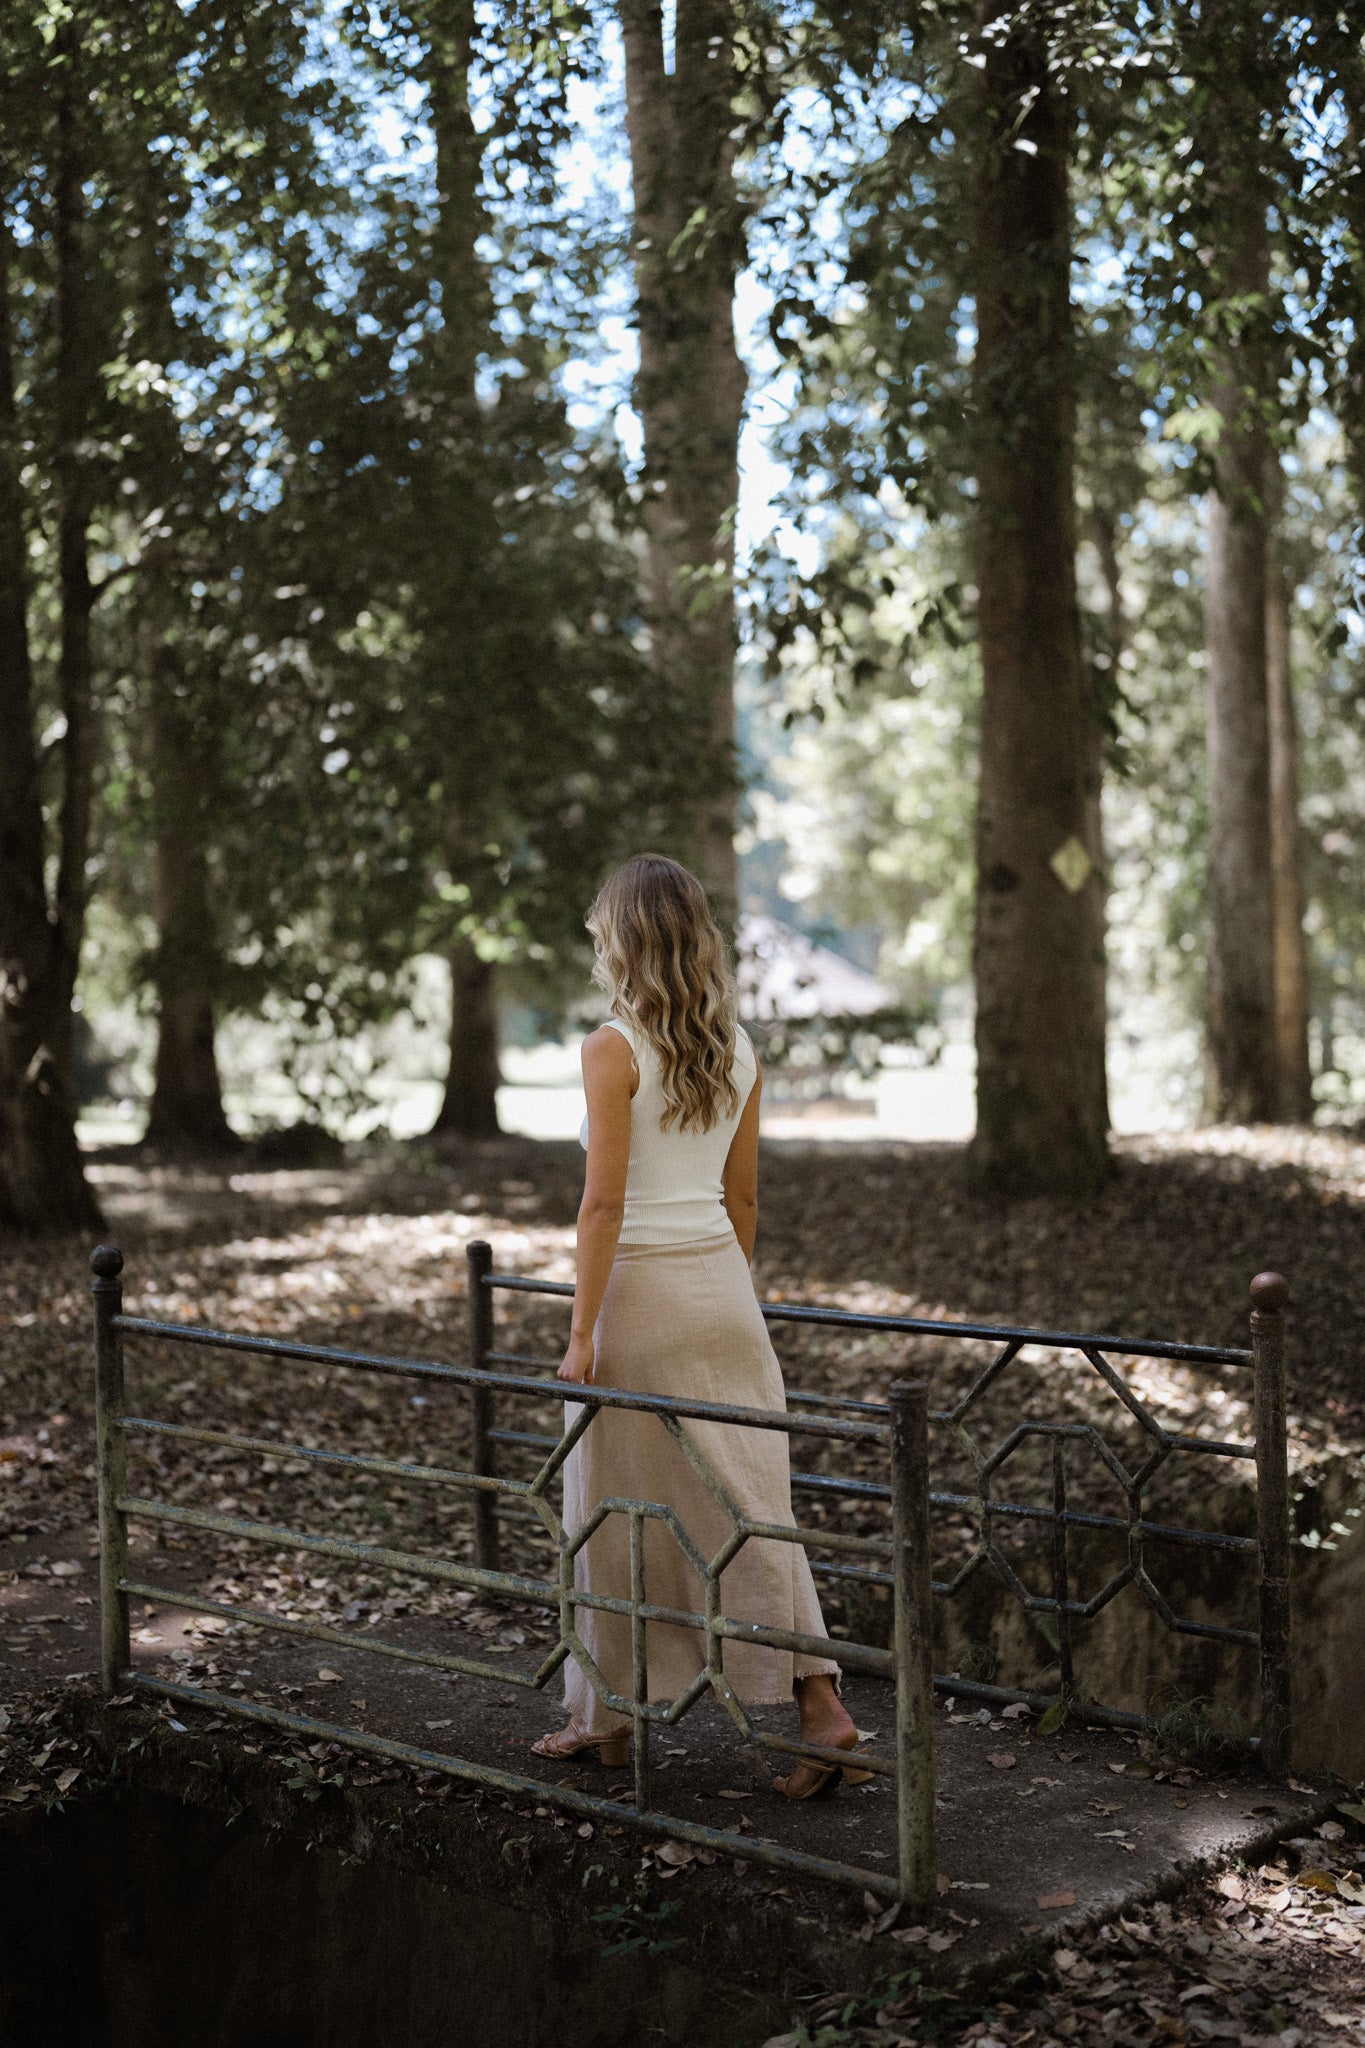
370, 1256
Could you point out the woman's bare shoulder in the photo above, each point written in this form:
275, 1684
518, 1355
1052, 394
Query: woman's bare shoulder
606, 1047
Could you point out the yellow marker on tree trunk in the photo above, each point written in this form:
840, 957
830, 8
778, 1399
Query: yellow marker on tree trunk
1071, 864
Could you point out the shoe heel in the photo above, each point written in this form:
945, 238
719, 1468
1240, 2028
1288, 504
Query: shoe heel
852, 1777
614, 1755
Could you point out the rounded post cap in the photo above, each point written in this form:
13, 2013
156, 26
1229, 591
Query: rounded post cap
1270, 1292
106, 1262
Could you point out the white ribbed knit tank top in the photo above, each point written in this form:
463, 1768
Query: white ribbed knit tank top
673, 1181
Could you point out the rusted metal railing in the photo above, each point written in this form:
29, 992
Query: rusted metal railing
897, 1559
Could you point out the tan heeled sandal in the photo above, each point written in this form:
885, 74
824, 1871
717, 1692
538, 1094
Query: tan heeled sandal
822, 1776
613, 1751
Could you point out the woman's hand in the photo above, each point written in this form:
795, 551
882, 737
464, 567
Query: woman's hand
579, 1361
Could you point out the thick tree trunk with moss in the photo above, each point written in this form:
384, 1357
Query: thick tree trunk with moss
687, 246
42, 1181
187, 1117
470, 1105
1038, 953
1294, 1075
1241, 979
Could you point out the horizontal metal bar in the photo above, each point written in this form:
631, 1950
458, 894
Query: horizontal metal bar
808, 1482
1211, 1447
351, 1461
1104, 1717
849, 1489
927, 1326
751, 1849
1207, 1539
869, 1489
820, 1570
857, 1656
1100, 1717
349, 1550
336, 1638
466, 1376
853, 1656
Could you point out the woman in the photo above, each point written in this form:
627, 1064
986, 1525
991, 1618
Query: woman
665, 1304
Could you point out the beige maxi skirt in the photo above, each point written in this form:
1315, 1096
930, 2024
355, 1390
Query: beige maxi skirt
684, 1320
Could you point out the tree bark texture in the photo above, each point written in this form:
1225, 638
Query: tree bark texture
1038, 951
687, 246
1293, 1070
42, 1182
1241, 977
470, 1106
187, 1117
77, 383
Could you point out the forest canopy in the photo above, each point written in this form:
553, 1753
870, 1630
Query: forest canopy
905, 461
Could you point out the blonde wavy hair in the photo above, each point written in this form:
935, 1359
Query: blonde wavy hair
661, 964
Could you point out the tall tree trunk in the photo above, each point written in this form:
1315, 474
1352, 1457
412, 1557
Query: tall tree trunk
687, 245
470, 1105
1241, 993
77, 374
42, 1181
1040, 1024
186, 1116
1293, 1071
469, 1108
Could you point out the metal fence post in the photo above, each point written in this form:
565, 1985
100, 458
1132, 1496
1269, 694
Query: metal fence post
1061, 1570
478, 1265
106, 1263
914, 1645
1270, 1294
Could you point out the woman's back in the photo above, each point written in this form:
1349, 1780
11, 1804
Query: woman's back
674, 1192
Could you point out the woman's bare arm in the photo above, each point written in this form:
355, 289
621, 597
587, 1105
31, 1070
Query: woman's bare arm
739, 1181
610, 1078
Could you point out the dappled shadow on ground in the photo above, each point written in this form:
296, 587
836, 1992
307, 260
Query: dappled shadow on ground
370, 1255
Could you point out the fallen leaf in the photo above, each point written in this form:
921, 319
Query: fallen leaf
1200, 1991
1051, 1782
1053, 1718
1002, 1760
1330, 1831
1352, 1811
1350, 1887
15, 1793
326, 1676
677, 1855
1052, 1902
1317, 1881
585, 1831
65, 1568
1016, 1712
938, 1942
67, 1779
727, 1793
